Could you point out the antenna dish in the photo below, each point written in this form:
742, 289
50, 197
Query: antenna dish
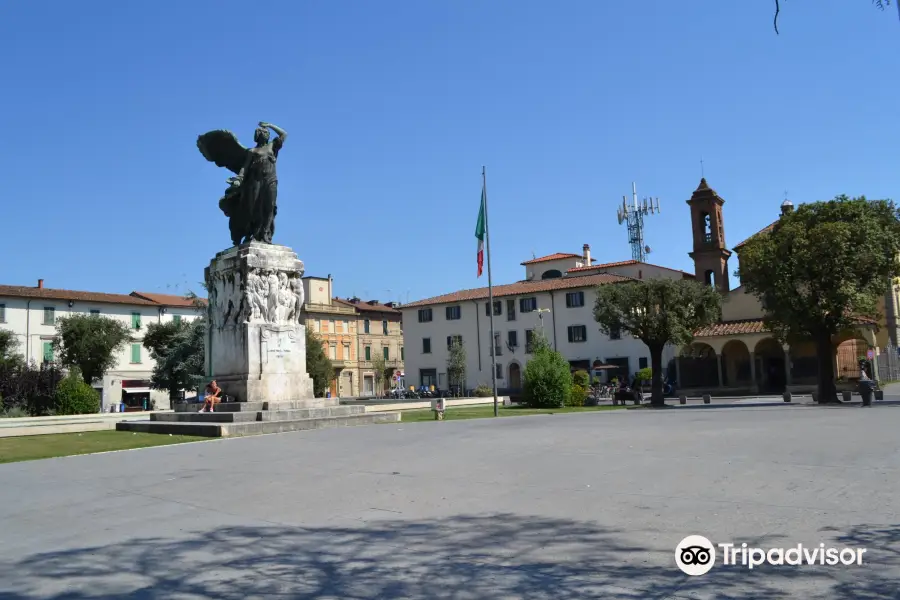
620, 216
647, 249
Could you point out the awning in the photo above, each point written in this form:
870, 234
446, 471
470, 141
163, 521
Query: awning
141, 390
599, 366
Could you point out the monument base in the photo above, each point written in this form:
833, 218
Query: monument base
256, 343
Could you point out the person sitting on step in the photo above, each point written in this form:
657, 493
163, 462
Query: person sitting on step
211, 397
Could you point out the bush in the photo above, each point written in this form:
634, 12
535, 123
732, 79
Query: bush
548, 379
577, 395
13, 413
28, 387
74, 397
645, 375
483, 391
580, 377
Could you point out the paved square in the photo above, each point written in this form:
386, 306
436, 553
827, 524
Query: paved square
557, 507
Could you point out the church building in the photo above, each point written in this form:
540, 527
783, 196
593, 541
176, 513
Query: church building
738, 355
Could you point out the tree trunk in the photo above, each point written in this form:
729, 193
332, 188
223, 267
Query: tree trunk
656, 387
825, 356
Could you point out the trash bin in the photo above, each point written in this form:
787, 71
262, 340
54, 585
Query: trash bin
866, 390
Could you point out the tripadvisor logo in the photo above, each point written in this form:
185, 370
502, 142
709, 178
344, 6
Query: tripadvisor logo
696, 555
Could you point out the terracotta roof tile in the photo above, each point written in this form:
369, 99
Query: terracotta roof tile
765, 229
732, 328
522, 288
554, 256
364, 306
17, 291
172, 300
623, 263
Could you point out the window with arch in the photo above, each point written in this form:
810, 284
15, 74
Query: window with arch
706, 226
709, 278
551, 274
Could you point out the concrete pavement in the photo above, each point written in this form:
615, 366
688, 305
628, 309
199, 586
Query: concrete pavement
571, 506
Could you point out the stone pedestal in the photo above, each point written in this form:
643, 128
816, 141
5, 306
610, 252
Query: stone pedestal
256, 344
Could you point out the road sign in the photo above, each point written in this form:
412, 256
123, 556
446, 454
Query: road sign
870, 354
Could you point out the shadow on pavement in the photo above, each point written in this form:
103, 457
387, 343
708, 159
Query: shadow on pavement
477, 557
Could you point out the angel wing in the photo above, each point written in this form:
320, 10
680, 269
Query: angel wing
223, 148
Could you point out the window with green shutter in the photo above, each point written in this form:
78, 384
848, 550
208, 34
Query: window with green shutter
135, 353
135, 320
368, 352
366, 326
48, 351
387, 353
176, 318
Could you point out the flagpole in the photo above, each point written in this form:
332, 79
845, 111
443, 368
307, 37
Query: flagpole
493, 347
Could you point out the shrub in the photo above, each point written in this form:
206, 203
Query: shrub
580, 377
645, 375
577, 395
74, 397
548, 378
483, 391
28, 386
13, 413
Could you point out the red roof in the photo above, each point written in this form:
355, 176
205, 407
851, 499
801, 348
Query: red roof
554, 256
765, 229
731, 328
367, 306
20, 291
523, 288
623, 263
171, 300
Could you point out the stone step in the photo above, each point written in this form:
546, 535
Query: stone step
240, 429
194, 407
262, 415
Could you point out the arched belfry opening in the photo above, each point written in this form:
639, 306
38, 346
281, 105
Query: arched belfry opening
710, 255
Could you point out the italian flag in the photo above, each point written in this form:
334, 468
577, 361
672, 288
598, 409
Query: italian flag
479, 233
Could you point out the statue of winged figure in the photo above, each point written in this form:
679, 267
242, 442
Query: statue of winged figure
250, 199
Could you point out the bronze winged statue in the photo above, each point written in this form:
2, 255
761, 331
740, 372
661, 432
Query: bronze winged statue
250, 199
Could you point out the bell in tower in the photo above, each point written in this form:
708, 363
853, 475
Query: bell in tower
710, 254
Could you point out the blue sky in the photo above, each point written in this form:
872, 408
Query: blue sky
394, 106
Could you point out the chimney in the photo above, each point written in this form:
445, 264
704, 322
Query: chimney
330, 288
354, 300
389, 304
40, 284
372, 302
587, 255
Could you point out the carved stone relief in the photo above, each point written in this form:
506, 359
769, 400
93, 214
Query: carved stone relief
261, 296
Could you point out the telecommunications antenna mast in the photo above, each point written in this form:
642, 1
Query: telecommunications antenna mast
633, 216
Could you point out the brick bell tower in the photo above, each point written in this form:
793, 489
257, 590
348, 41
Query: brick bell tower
710, 254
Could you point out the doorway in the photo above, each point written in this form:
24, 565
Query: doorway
515, 376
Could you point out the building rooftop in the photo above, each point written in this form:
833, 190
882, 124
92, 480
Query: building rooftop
765, 229
554, 256
369, 305
21, 291
522, 288
622, 263
172, 300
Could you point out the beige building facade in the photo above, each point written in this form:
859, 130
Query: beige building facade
354, 333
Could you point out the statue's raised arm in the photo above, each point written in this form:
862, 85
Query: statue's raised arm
250, 199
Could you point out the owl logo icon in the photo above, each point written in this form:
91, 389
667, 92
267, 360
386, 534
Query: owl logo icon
695, 555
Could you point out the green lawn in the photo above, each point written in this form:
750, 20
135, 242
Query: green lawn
480, 412
33, 447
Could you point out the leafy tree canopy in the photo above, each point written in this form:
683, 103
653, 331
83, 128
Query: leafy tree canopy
456, 364
823, 265
548, 376
90, 343
318, 365
657, 312
178, 349
9, 349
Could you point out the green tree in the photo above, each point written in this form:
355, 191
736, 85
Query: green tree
74, 396
179, 352
881, 4
657, 312
9, 350
821, 268
548, 376
379, 366
90, 343
318, 365
456, 366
